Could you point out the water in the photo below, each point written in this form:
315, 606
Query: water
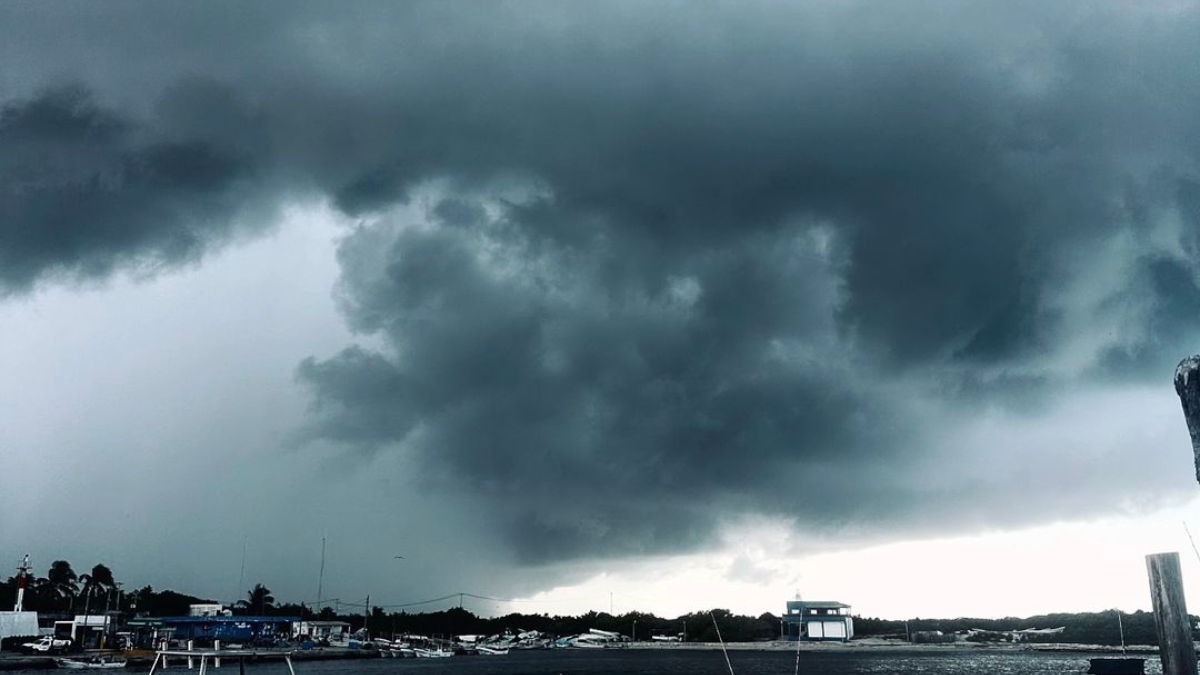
645, 662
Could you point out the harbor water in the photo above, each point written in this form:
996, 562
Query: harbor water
699, 662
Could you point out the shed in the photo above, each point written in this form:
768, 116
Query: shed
818, 620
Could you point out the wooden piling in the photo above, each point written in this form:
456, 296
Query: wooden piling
1187, 385
1175, 646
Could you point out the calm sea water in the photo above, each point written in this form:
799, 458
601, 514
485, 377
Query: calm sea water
636, 662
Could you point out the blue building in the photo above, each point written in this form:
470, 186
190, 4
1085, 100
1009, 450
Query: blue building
818, 620
205, 629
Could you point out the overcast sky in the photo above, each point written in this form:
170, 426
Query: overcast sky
566, 299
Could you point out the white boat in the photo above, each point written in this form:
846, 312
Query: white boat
432, 653
584, 643
94, 663
492, 651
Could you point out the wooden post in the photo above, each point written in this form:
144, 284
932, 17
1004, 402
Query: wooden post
1187, 385
1175, 646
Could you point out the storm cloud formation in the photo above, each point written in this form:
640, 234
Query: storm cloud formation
87, 190
632, 270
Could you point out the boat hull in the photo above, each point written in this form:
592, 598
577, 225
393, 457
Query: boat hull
71, 664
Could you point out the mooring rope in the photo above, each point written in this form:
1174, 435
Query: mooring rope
798, 651
722, 641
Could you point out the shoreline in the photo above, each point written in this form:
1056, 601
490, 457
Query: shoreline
877, 644
16, 661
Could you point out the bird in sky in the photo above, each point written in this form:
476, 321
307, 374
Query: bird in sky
398, 556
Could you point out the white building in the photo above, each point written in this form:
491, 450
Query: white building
209, 609
18, 624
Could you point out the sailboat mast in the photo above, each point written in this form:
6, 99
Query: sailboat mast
321, 577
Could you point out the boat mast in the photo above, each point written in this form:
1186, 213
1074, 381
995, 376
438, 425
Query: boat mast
242, 575
321, 576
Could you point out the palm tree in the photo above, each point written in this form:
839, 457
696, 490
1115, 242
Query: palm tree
259, 598
99, 582
62, 580
39, 593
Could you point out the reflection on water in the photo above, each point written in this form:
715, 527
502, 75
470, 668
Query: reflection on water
637, 662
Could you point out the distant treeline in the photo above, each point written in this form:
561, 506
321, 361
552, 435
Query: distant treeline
63, 592
1099, 628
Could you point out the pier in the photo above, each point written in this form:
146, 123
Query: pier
162, 657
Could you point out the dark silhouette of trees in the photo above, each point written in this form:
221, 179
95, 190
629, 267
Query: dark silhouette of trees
62, 583
259, 600
97, 585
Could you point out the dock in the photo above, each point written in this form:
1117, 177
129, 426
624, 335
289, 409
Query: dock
214, 656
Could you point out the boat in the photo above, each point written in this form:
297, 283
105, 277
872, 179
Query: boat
94, 663
432, 653
585, 642
492, 651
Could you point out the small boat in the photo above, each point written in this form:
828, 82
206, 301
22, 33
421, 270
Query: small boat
94, 663
432, 653
492, 651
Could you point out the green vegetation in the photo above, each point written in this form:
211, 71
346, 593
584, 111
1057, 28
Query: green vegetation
1084, 628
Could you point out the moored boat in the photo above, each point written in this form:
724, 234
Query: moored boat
492, 651
94, 663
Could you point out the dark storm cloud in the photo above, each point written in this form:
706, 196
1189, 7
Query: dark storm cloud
662, 264
591, 416
87, 190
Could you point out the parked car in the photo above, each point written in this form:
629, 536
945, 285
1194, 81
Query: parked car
47, 643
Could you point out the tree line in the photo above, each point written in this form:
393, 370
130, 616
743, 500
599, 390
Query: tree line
64, 592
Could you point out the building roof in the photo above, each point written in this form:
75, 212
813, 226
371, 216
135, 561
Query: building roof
817, 604
230, 619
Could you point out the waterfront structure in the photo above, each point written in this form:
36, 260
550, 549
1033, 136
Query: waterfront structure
86, 630
229, 628
332, 631
208, 609
18, 625
818, 620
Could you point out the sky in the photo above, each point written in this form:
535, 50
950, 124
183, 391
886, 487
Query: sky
657, 306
